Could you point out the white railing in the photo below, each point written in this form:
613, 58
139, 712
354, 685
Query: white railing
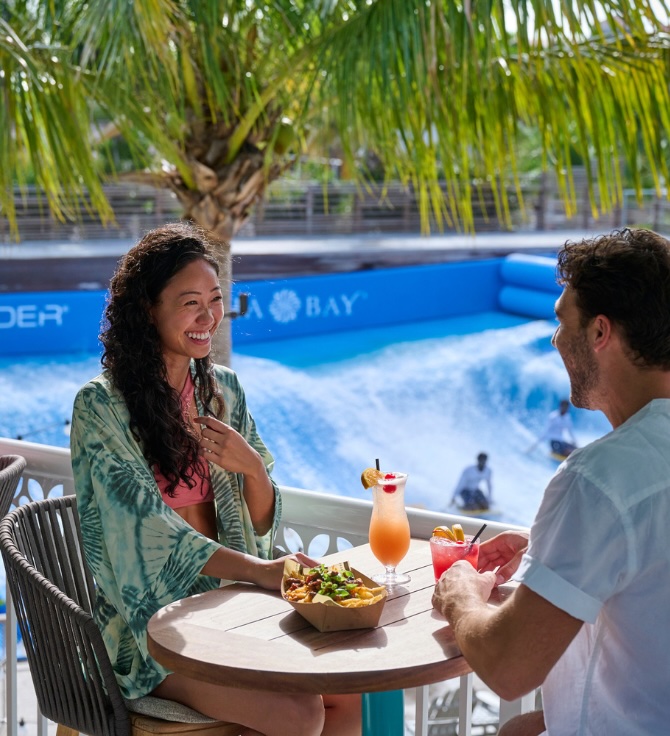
312, 207
315, 522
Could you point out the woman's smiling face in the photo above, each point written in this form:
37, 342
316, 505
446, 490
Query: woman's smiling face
188, 312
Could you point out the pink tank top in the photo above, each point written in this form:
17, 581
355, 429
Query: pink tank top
202, 490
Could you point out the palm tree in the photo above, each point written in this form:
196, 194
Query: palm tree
215, 96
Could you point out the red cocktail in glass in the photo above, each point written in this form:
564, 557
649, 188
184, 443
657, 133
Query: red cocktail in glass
445, 553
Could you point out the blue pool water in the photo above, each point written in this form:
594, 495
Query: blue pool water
424, 397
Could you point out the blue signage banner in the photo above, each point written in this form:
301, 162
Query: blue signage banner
319, 304
69, 322
50, 322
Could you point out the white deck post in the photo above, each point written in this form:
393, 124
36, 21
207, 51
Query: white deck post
511, 708
465, 706
42, 724
421, 713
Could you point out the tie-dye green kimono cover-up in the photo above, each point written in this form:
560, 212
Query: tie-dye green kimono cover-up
142, 554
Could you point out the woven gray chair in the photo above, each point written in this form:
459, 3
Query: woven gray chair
53, 593
11, 467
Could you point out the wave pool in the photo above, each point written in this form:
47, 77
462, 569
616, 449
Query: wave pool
423, 397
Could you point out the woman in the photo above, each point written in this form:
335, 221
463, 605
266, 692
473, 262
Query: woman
172, 480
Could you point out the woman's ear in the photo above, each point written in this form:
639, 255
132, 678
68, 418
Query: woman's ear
148, 308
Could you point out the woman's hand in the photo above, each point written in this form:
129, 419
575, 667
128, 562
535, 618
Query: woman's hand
270, 572
226, 447
503, 551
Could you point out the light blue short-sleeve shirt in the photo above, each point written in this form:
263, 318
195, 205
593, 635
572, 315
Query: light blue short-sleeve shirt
600, 550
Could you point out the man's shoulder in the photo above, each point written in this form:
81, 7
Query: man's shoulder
636, 453
647, 430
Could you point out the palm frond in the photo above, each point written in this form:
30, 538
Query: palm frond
451, 83
43, 121
439, 90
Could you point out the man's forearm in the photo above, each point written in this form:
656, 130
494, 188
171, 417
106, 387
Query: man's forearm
513, 646
479, 638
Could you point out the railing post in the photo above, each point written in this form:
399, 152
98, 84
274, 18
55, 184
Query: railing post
623, 213
541, 204
309, 211
421, 711
511, 708
465, 706
406, 210
42, 724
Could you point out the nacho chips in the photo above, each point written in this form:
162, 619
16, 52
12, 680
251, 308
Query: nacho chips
350, 599
337, 583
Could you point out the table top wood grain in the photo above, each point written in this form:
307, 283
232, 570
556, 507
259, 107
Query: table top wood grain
247, 637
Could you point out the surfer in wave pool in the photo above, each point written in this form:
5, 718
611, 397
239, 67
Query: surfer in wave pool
469, 495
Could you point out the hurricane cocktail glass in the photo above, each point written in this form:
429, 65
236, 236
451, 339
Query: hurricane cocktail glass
389, 527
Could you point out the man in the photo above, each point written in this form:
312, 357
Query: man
559, 431
469, 486
589, 620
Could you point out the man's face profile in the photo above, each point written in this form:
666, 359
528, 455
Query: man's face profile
571, 341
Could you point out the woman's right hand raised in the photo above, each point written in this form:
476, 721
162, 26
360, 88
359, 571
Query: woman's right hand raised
504, 551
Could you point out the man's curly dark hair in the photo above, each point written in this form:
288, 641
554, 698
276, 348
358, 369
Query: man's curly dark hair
132, 352
624, 275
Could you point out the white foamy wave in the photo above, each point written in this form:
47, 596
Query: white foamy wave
426, 408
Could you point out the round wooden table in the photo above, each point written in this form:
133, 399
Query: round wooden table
243, 636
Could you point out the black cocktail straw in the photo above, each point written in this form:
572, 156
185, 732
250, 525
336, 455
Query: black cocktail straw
475, 538
377, 464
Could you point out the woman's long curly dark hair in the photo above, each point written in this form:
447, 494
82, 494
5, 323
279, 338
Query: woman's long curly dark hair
133, 357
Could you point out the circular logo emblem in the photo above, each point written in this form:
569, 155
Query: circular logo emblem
285, 306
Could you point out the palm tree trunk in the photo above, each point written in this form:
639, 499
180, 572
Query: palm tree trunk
220, 202
222, 345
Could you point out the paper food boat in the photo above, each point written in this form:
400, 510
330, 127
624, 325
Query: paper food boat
326, 615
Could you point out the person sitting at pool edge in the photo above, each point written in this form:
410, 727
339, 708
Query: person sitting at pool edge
588, 622
173, 482
469, 485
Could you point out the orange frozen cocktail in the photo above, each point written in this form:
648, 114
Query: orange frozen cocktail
389, 527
